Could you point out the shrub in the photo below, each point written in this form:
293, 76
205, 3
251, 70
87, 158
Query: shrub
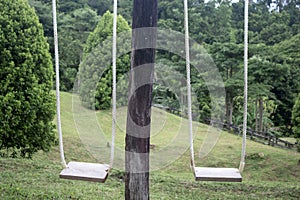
26, 101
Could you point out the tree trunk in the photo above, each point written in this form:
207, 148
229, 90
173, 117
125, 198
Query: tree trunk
230, 111
256, 115
140, 99
227, 111
261, 110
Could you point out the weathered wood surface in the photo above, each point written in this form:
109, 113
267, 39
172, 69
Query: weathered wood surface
85, 171
217, 174
140, 100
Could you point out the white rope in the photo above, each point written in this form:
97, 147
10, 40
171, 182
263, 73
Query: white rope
114, 82
114, 49
61, 147
188, 82
242, 163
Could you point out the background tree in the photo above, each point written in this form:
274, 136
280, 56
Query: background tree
98, 46
296, 117
229, 58
74, 28
287, 87
277, 29
67, 6
75, 21
44, 10
26, 101
218, 26
100, 6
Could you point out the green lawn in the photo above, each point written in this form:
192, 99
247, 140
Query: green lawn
289, 139
270, 173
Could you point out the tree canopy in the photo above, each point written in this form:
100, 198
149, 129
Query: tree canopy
218, 26
97, 51
26, 101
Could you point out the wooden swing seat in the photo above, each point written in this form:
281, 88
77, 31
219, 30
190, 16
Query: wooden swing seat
217, 174
85, 171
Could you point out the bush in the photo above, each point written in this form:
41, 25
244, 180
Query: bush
26, 103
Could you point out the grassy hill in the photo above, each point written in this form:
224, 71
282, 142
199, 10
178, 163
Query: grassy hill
270, 173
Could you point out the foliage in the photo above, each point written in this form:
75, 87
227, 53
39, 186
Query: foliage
218, 25
26, 101
296, 117
44, 11
167, 84
101, 6
287, 85
98, 51
75, 21
67, 6
73, 29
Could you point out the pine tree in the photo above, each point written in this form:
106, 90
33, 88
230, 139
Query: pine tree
26, 101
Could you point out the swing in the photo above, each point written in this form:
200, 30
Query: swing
82, 170
210, 173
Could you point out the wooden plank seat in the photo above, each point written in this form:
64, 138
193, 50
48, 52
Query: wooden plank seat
85, 171
217, 174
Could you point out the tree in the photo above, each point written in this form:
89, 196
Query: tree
287, 87
229, 57
294, 12
99, 43
277, 29
260, 85
44, 11
74, 28
100, 6
170, 15
76, 21
67, 6
296, 117
26, 101
268, 80
137, 139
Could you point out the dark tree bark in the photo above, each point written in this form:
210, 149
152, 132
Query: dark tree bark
261, 111
140, 99
256, 115
229, 110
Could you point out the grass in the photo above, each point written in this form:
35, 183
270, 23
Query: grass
270, 173
289, 139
